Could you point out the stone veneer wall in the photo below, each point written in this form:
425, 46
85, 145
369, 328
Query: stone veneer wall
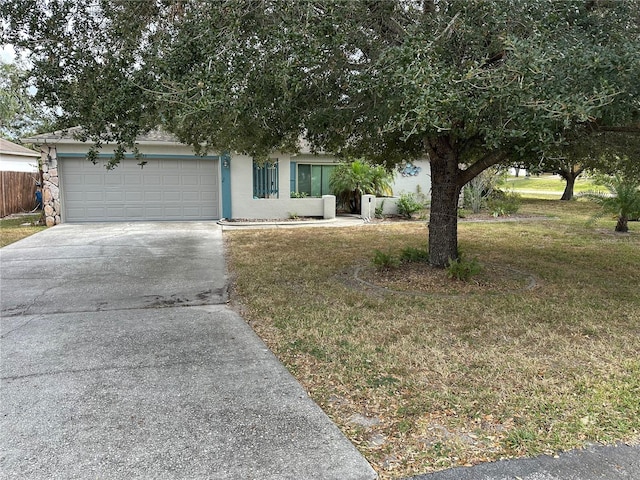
50, 186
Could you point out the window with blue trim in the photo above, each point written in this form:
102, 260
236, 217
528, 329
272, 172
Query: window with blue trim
265, 179
313, 180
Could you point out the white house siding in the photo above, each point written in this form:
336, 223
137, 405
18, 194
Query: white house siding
245, 206
410, 183
8, 163
16, 158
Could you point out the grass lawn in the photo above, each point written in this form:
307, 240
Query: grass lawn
12, 228
548, 185
425, 381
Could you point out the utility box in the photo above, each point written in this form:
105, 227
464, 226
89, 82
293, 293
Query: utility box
368, 207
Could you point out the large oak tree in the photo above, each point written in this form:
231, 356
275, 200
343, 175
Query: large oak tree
468, 83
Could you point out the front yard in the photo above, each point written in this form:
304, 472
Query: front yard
17, 227
427, 379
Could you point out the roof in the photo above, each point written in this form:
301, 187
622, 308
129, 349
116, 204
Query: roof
155, 136
10, 148
69, 136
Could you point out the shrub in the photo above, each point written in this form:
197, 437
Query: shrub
349, 181
622, 199
380, 210
411, 254
384, 260
481, 188
463, 213
408, 204
299, 194
462, 269
503, 203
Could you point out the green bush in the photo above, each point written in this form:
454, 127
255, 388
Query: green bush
411, 254
503, 203
384, 260
462, 269
481, 188
349, 181
622, 199
408, 204
380, 210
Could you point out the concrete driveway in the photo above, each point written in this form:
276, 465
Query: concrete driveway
119, 359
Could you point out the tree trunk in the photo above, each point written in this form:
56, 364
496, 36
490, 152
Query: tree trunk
568, 189
443, 220
570, 175
622, 225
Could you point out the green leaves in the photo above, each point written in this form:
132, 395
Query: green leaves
359, 78
349, 181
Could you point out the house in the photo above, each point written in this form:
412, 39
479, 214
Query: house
16, 158
173, 183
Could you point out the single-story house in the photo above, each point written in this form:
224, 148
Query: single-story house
16, 158
176, 184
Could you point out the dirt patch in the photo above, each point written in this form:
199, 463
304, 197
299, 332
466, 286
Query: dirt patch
418, 278
467, 218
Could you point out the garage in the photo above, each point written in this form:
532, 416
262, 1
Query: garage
168, 189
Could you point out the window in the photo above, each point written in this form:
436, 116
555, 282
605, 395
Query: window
265, 179
314, 179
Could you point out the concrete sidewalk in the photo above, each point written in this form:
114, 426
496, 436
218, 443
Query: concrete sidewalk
120, 360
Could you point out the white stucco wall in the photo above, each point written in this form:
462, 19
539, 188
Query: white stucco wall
410, 183
243, 205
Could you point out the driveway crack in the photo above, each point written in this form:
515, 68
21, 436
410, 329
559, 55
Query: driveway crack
94, 369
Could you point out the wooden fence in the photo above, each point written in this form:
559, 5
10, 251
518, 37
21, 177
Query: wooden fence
17, 192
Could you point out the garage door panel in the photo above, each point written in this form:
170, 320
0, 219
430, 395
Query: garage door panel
113, 179
111, 196
134, 212
133, 179
92, 179
99, 212
171, 196
153, 196
154, 212
170, 180
173, 211
152, 179
165, 189
190, 197
190, 180
134, 196
93, 196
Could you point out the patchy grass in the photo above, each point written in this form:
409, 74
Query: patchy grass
456, 380
548, 185
16, 228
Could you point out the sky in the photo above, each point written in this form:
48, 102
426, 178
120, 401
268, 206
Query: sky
7, 54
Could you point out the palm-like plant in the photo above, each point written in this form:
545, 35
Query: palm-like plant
622, 199
349, 181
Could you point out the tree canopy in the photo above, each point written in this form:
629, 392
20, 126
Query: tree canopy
468, 83
19, 113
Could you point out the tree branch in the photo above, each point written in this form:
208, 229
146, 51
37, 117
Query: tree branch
476, 168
